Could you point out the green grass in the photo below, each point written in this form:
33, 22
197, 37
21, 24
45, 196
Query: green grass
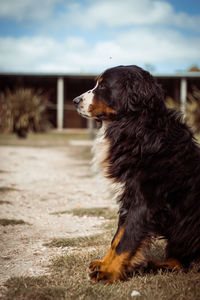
6, 222
43, 139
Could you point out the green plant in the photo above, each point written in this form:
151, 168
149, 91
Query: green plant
24, 110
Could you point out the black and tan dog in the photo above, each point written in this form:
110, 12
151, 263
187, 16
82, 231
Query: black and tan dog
153, 164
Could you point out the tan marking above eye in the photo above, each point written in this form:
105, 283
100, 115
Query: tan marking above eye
100, 79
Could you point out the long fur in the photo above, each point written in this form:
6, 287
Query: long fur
152, 154
158, 161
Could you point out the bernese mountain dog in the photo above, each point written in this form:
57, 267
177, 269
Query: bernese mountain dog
152, 162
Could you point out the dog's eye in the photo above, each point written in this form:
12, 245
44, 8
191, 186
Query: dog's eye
102, 86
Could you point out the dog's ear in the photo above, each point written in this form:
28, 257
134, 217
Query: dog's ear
141, 92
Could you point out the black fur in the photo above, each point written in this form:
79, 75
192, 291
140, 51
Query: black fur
153, 153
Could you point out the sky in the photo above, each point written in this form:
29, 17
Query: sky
88, 36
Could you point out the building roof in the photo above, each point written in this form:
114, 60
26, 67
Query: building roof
93, 75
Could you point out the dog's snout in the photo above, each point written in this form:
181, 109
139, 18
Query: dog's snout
77, 100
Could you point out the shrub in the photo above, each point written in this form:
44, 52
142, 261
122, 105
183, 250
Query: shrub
171, 103
6, 123
22, 111
192, 108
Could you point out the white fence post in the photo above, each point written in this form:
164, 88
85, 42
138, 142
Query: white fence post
90, 126
60, 102
183, 94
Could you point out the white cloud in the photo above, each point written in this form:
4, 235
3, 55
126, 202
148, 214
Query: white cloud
136, 30
116, 13
26, 9
139, 46
24, 53
159, 45
91, 14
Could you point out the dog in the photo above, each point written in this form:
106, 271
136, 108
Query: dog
152, 162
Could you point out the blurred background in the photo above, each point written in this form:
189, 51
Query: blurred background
51, 51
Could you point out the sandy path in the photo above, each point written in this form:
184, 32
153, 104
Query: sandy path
46, 180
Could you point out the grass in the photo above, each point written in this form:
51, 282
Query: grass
163, 285
4, 202
69, 273
34, 288
92, 240
85, 241
69, 280
3, 171
6, 222
4, 189
82, 153
104, 212
43, 139
86, 154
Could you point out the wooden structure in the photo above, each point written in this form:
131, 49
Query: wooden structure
62, 88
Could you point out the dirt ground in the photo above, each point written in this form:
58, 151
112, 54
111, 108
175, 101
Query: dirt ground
43, 181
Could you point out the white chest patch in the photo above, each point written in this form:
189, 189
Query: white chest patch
101, 163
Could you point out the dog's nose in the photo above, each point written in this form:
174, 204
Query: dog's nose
77, 100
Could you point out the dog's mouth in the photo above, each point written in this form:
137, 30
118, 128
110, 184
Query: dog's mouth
97, 118
96, 110
84, 115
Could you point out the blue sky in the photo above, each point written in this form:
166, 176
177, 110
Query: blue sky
89, 36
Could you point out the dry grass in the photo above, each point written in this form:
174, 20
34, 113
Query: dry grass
5, 189
4, 202
6, 222
50, 139
69, 275
92, 240
3, 171
103, 212
85, 241
69, 280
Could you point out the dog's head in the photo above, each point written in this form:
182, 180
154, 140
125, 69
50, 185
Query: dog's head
118, 91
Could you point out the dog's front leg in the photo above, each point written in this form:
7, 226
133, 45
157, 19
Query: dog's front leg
126, 251
111, 267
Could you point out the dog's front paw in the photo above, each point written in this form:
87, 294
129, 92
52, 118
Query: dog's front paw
95, 265
100, 271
